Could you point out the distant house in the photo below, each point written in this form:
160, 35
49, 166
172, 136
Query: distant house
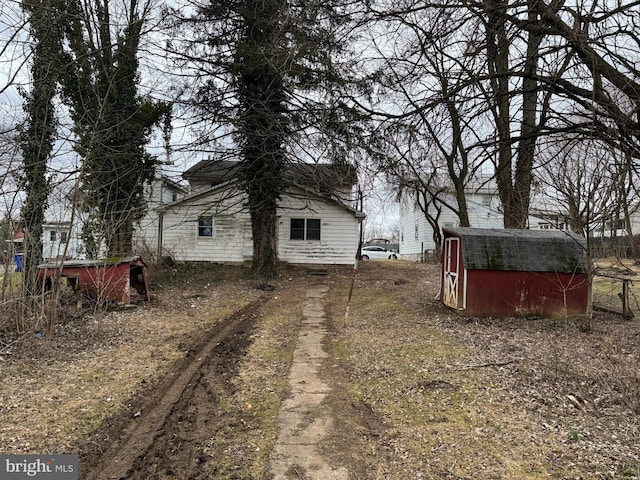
62, 232
61, 239
147, 232
548, 220
507, 273
416, 234
317, 223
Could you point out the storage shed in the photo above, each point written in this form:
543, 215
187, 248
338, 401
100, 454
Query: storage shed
506, 273
107, 279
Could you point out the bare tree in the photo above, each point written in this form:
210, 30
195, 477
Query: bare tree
524, 71
576, 180
431, 115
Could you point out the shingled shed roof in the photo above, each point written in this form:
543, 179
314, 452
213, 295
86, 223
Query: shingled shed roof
521, 250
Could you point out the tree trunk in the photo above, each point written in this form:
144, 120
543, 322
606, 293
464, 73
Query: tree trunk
514, 187
262, 127
498, 64
263, 226
529, 129
36, 141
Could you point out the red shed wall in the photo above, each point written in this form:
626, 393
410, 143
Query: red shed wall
104, 281
507, 294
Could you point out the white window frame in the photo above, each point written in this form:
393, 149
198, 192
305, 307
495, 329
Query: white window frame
305, 231
202, 227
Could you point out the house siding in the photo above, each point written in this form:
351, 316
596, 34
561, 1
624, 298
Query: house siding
416, 235
56, 249
158, 194
338, 233
232, 240
231, 232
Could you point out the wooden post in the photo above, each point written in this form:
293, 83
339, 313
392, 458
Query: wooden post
626, 310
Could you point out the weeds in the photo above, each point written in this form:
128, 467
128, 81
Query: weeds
574, 435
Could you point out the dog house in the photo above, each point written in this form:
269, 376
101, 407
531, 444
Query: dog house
108, 279
506, 273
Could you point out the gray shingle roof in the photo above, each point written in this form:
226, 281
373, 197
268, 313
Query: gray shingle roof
521, 250
322, 176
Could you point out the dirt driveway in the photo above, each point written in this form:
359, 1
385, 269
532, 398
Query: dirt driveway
191, 386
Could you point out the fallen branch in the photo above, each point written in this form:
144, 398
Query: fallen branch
485, 365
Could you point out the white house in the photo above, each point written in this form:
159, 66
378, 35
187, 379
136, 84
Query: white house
147, 232
416, 234
316, 222
61, 239
61, 232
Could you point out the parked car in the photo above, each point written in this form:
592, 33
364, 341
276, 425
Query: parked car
376, 252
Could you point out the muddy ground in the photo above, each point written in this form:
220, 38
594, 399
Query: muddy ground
189, 386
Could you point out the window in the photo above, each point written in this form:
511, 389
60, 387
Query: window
486, 201
205, 227
63, 237
52, 235
305, 229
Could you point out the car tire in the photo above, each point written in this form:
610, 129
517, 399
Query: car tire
364, 257
393, 257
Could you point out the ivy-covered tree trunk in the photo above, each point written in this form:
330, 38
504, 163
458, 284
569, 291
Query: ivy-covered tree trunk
262, 126
267, 73
112, 122
36, 140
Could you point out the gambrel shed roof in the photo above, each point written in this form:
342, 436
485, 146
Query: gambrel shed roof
521, 250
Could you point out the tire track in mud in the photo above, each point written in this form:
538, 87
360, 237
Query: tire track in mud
166, 440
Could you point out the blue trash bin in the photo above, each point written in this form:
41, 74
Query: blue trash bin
18, 259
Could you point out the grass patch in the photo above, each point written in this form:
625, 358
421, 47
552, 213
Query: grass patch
443, 420
95, 363
607, 288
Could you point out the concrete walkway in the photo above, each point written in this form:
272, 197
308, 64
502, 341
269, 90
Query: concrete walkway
304, 419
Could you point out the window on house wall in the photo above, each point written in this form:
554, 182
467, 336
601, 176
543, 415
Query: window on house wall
416, 231
305, 229
205, 227
52, 236
63, 237
486, 201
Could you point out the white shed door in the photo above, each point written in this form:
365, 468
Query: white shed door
451, 272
